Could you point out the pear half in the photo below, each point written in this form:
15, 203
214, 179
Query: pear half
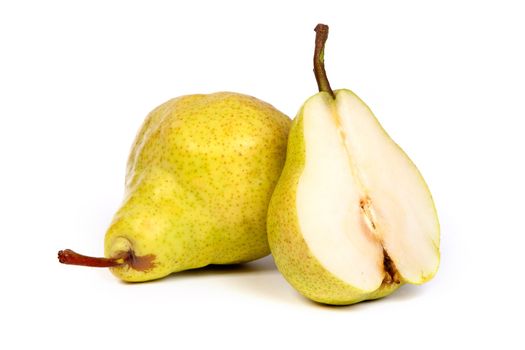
351, 217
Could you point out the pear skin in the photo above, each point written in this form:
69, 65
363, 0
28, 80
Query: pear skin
199, 179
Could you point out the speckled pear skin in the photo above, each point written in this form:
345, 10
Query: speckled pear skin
291, 253
199, 179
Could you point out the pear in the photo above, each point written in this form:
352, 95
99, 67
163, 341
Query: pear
199, 180
351, 217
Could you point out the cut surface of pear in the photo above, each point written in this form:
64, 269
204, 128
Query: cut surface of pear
360, 200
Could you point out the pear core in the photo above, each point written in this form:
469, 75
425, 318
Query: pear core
363, 208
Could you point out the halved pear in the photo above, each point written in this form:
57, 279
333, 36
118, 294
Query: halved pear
351, 217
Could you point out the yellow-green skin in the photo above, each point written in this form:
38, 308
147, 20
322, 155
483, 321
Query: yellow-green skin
290, 251
199, 179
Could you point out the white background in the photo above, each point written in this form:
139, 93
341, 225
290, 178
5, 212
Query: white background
76, 80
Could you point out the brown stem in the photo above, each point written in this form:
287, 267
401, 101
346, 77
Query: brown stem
71, 258
321, 35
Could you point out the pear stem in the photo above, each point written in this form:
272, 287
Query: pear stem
321, 34
72, 258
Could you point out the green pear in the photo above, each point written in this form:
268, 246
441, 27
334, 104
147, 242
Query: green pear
351, 217
199, 180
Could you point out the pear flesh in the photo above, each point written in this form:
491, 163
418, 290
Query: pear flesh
362, 220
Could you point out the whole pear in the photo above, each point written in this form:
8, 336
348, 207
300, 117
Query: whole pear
351, 217
199, 179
